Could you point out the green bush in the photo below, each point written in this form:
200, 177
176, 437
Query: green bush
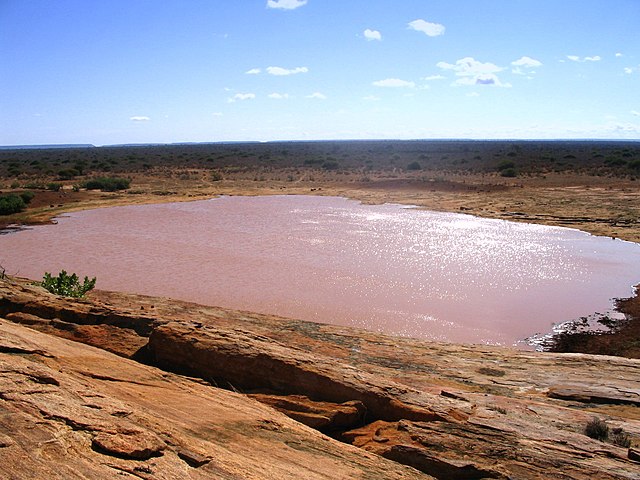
54, 186
11, 203
505, 165
27, 197
414, 166
107, 184
67, 285
216, 176
68, 174
509, 172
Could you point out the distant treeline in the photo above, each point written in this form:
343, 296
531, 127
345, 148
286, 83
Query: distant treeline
510, 158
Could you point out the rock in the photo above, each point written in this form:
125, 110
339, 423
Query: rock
323, 416
595, 394
634, 454
137, 444
193, 459
252, 362
105, 416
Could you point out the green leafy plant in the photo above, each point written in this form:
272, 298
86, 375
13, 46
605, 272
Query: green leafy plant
11, 204
67, 285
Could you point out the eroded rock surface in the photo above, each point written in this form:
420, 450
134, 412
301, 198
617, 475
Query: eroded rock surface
72, 411
450, 411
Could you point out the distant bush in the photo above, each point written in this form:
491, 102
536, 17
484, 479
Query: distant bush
615, 162
634, 164
505, 165
216, 176
107, 184
68, 174
54, 186
11, 203
330, 165
27, 197
509, 172
36, 186
67, 285
414, 166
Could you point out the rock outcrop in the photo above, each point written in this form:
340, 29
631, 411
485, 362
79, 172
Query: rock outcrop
448, 411
72, 411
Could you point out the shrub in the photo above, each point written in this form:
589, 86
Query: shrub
54, 187
67, 285
597, 429
509, 172
11, 204
505, 165
216, 176
620, 438
68, 174
330, 165
414, 166
107, 184
634, 164
27, 197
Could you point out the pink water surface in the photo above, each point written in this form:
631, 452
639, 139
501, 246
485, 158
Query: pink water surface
387, 268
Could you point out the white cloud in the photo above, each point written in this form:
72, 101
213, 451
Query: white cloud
318, 95
525, 65
217, 114
394, 83
372, 34
576, 58
428, 28
139, 118
286, 4
241, 97
473, 94
371, 98
618, 55
278, 96
472, 72
434, 77
635, 112
253, 71
279, 71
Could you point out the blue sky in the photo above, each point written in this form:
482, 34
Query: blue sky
136, 71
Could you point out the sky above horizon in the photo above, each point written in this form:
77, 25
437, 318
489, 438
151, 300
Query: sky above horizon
73, 71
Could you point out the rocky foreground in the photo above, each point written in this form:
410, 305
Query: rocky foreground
165, 389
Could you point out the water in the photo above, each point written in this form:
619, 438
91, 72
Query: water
388, 268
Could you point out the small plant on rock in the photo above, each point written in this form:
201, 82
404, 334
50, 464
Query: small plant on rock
597, 429
620, 438
67, 285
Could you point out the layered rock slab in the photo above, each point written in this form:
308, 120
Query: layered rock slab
68, 410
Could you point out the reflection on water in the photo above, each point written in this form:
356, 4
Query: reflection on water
387, 268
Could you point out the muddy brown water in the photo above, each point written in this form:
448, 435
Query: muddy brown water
388, 268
